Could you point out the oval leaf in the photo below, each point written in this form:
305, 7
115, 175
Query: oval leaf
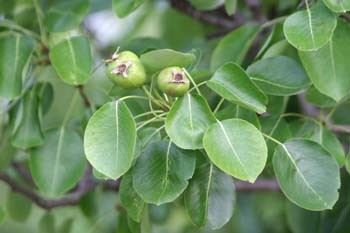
338, 6
157, 60
18, 206
236, 147
72, 60
66, 15
27, 132
307, 173
233, 84
162, 171
110, 139
328, 67
280, 76
130, 200
123, 8
318, 99
188, 119
59, 163
210, 197
15, 51
310, 29
234, 46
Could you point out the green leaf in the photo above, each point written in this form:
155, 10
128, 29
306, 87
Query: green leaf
148, 135
230, 6
72, 60
234, 111
161, 173
2, 215
123, 8
347, 163
280, 76
59, 163
318, 99
301, 220
27, 132
110, 139
47, 223
338, 6
308, 175
18, 206
321, 135
236, 147
15, 52
157, 60
310, 29
66, 15
130, 200
233, 84
210, 197
234, 46
328, 67
276, 127
66, 226
187, 121
206, 4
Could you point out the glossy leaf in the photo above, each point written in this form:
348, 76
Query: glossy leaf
310, 29
123, 8
18, 206
338, 6
59, 163
157, 60
318, 99
188, 120
210, 197
27, 131
308, 175
238, 112
161, 173
328, 67
148, 135
321, 135
279, 75
234, 46
66, 15
110, 139
72, 60
15, 52
232, 83
276, 127
236, 147
130, 200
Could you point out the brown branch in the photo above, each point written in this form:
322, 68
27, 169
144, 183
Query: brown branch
259, 185
84, 96
339, 128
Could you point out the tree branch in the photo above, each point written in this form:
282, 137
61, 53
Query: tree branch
260, 185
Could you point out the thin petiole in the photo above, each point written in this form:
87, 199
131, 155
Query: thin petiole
272, 139
192, 81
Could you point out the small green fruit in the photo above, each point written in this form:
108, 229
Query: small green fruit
126, 70
173, 81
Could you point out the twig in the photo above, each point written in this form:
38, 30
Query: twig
84, 96
260, 185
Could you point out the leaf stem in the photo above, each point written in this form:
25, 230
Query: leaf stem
148, 113
39, 15
219, 105
9, 24
274, 21
272, 139
192, 81
154, 119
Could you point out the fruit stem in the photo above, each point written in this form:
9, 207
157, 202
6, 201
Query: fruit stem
159, 103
